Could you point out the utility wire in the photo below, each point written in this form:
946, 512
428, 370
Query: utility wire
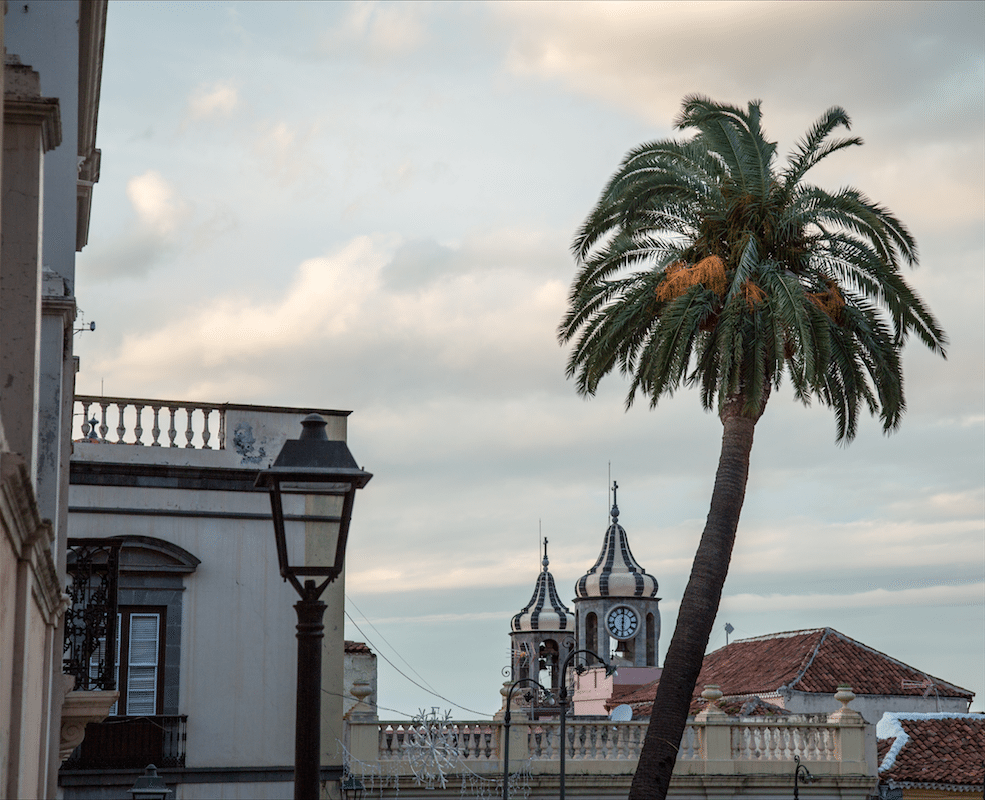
377, 705
394, 649
418, 685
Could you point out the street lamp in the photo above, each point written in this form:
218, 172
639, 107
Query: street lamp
351, 788
506, 725
149, 786
579, 668
323, 474
800, 775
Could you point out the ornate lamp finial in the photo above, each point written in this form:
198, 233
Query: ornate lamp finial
545, 562
615, 505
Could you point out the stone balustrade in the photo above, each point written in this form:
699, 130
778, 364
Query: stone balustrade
712, 744
122, 420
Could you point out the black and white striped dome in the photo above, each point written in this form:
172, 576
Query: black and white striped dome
545, 611
616, 573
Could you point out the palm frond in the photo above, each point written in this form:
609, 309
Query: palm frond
703, 264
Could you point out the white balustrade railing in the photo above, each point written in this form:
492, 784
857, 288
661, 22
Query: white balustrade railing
771, 741
466, 741
166, 423
753, 739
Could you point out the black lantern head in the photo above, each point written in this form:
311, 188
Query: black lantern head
317, 478
150, 786
352, 788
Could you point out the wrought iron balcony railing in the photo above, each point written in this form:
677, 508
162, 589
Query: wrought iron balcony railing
90, 620
131, 743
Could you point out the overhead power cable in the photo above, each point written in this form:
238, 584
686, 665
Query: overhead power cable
405, 675
348, 600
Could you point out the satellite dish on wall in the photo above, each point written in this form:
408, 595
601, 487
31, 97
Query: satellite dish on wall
621, 713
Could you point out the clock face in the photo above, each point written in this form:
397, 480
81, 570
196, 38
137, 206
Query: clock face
622, 622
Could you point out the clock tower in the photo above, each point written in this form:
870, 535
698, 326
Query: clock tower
616, 603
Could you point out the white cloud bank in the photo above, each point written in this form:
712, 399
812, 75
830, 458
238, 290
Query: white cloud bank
217, 100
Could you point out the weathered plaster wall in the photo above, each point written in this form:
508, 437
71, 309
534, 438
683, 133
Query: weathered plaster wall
870, 706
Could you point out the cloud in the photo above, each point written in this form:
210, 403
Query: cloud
343, 313
971, 594
644, 56
922, 112
890, 543
162, 217
155, 201
378, 32
217, 100
285, 152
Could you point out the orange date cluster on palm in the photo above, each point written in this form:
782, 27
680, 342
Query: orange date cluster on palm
710, 272
830, 302
678, 278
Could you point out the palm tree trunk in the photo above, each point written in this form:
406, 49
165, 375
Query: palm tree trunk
697, 613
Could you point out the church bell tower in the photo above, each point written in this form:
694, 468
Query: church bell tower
616, 603
542, 633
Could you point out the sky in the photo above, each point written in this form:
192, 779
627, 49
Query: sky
370, 206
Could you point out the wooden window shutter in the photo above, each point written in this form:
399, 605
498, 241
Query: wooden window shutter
142, 662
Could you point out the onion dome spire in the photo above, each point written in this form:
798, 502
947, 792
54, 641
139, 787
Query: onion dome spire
616, 573
545, 611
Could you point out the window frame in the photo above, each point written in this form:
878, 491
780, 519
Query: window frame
125, 614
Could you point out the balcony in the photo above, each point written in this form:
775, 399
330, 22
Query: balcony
131, 743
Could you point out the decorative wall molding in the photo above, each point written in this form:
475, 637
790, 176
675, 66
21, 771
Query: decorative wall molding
78, 710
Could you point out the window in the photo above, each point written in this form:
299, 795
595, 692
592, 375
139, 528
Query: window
140, 660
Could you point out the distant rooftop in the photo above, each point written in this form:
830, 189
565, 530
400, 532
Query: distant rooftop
939, 751
813, 661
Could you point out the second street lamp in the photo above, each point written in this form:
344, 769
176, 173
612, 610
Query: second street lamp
507, 716
318, 477
579, 668
800, 775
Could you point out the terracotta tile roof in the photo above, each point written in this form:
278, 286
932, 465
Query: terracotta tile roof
946, 749
813, 661
806, 661
882, 747
357, 647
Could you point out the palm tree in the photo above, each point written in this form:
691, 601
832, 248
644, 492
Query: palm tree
706, 264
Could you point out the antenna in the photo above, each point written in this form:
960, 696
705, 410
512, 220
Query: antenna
926, 685
83, 327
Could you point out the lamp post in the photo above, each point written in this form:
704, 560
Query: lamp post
800, 775
323, 473
150, 786
579, 668
506, 726
351, 788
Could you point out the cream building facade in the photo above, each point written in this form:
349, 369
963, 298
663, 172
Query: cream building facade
206, 655
52, 71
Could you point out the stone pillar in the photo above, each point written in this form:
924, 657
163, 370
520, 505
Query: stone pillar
716, 734
31, 127
852, 755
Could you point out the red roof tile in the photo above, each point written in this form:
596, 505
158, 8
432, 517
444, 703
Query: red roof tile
815, 661
357, 647
940, 749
